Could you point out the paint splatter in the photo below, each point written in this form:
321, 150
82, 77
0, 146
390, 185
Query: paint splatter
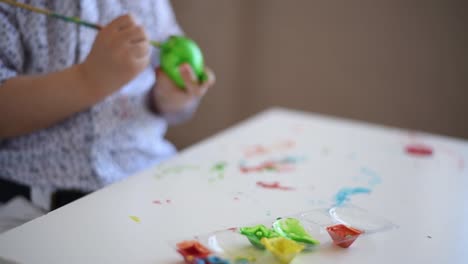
159, 202
135, 218
419, 150
344, 195
174, 170
258, 150
236, 198
281, 165
255, 151
429, 237
373, 178
274, 185
297, 128
219, 168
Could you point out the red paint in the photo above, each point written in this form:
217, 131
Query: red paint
419, 150
343, 236
192, 249
233, 229
278, 166
257, 150
274, 185
159, 202
297, 128
287, 144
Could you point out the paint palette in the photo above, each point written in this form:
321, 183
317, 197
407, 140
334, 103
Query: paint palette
346, 223
282, 239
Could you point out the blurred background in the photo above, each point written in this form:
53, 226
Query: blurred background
391, 62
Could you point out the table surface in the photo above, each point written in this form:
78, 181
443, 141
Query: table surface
220, 183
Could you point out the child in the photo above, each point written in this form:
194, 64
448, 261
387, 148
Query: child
80, 109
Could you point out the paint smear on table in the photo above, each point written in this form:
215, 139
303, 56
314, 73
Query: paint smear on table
174, 170
373, 178
219, 168
159, 202
297, 128
344, 195
419, 150
423, 150
274, 185
281, 165
258, 150
135, 218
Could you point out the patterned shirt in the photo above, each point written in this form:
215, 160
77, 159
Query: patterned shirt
111, 140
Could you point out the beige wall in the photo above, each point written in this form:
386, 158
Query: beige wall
399, 63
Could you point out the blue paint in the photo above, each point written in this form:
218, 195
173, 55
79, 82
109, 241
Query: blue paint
344, 194
374, 178
292, 159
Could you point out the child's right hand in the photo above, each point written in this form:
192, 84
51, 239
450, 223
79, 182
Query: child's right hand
120, 52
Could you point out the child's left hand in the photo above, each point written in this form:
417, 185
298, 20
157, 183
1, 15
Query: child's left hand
174, 103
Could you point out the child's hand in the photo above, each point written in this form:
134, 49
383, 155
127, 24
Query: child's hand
120, 52
171, 100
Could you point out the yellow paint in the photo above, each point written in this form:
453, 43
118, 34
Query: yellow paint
285, 250
135, 218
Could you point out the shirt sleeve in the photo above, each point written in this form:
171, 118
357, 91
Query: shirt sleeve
11, 48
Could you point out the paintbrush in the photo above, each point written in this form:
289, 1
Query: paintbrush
70, 19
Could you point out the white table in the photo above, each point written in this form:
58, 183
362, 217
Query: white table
426, 196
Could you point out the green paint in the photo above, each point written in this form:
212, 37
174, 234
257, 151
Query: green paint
220, 166
174, 170
178, 50
135, 218
256, 233
292, 228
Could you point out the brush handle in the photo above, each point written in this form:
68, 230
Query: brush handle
70, 19
76, 21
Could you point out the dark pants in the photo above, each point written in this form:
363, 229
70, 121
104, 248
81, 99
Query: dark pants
9, 190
